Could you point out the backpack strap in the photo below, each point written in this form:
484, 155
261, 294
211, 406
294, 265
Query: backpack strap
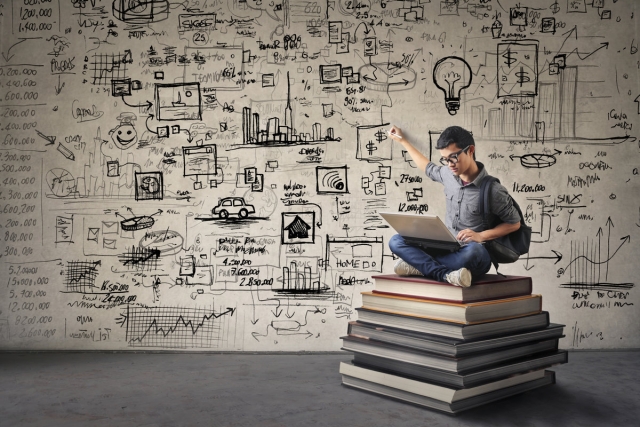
485, 208
485, 200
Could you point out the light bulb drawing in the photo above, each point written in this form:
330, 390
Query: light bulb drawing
451, 75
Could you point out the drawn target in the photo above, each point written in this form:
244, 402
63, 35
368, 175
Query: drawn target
331, 180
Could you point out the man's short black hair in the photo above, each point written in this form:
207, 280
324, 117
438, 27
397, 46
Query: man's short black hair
455, 134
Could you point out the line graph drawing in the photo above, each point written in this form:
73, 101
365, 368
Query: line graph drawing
80, 276
141, 258
107, 67
174, 327
590, 259
214, 154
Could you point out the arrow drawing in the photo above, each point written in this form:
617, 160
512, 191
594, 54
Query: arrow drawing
189, 137
146, 123
58, 87
147, 104
8, 55
50, 139
557, 256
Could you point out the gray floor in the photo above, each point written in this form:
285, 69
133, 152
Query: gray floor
129, 389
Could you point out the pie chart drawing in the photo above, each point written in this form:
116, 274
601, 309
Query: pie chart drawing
60, 182
168, 242
536, 161
137, 223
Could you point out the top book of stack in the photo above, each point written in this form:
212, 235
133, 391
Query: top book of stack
490, 287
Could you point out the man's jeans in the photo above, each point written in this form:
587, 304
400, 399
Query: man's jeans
437, 264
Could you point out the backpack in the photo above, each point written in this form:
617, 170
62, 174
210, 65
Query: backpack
506, 249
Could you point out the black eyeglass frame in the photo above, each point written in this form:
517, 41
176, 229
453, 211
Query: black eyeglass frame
453, 158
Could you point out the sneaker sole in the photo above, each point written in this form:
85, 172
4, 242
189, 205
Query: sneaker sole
465, 278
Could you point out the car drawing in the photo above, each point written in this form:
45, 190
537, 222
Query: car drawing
232, 206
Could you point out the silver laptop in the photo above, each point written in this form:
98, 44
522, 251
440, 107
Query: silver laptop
427, 231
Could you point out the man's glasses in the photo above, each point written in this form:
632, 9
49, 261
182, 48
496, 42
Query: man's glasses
453, 158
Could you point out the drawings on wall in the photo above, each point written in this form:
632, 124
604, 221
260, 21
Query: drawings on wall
209, 173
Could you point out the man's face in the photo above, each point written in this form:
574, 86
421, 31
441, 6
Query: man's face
464, 158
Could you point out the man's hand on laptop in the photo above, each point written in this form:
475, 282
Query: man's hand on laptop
468, 236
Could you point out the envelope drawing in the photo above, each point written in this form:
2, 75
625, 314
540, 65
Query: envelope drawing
109, 244
93, 234
110, 227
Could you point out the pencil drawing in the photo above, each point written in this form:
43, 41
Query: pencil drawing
214, 170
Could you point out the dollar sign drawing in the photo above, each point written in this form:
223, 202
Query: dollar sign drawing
509, 59
522, 76
555, 8
380, 136
371, 147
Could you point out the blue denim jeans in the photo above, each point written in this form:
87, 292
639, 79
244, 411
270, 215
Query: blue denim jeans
436, 264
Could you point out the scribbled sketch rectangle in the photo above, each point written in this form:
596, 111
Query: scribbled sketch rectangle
174, 327
80, 276
517, 69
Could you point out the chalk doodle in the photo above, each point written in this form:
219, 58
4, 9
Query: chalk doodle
207, 175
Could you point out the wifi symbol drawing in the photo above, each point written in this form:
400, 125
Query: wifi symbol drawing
331, 180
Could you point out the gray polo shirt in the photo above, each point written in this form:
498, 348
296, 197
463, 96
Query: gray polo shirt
462, 200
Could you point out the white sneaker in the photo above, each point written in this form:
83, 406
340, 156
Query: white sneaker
402, 268
460, 277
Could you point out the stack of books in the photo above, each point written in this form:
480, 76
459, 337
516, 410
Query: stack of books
451, 348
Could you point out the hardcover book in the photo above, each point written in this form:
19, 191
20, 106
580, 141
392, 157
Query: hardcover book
454, 407
447, 394
451, 329
466, 313
445, 363
491, 286
449, 346
468, 378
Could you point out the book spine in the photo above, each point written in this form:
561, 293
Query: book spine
455, 301
395, 294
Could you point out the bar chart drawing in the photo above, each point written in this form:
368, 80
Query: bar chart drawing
280, 130
300, 279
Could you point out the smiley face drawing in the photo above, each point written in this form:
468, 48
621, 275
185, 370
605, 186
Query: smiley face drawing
125, 136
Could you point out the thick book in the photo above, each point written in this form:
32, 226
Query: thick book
466, 313
451, 329
469, 378
449, 346
452, 408
491, 286
445, 363
442, 393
